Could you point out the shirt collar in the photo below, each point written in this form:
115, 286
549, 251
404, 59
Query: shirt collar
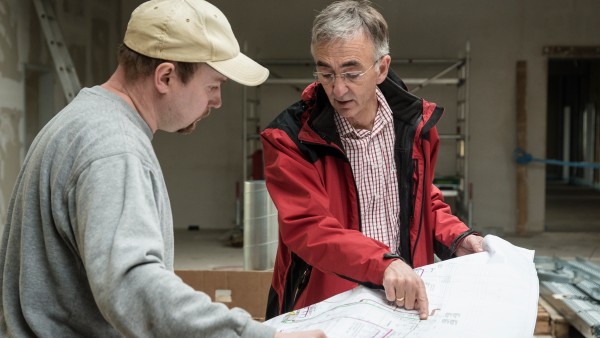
383, 116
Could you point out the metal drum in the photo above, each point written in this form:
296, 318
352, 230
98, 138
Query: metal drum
260, 227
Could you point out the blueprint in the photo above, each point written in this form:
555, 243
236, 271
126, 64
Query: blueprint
489, 294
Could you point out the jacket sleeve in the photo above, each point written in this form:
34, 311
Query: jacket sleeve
449, 230
306, 224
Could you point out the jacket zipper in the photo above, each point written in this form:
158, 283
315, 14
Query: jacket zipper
405, 187
421, 213
299, 288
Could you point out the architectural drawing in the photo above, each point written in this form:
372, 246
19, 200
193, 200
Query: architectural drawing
490, 294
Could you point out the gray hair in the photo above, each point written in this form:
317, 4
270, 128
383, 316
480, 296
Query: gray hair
346, 19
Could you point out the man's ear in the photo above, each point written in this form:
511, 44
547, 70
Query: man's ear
163, 77
384, 67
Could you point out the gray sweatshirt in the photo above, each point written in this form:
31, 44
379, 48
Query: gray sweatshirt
87, 248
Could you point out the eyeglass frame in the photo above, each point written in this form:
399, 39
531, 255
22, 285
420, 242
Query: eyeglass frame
343, 76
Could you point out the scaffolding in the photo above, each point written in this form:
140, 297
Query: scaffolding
455, 72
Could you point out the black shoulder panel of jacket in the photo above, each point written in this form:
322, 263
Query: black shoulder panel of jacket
433, 120
321, 121
290, 121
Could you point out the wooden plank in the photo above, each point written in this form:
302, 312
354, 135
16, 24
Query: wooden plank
521, 93
542, 323
559, 326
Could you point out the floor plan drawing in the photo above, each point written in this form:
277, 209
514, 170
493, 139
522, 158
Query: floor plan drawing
490, 294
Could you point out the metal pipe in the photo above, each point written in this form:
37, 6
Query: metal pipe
261, 229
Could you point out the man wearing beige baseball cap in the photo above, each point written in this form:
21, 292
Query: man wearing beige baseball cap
87, 250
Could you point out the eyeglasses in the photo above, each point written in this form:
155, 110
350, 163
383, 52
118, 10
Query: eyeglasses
348, 77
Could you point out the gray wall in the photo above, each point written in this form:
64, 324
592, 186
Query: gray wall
500, 34
202, 169
29, 92
11, 97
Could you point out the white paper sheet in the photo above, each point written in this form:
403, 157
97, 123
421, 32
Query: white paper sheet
490, 294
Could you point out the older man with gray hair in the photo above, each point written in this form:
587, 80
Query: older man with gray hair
350, 168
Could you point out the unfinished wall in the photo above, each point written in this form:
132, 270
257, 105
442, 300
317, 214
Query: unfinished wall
92, 30
12, 51
29, 92
201, 179
202, 169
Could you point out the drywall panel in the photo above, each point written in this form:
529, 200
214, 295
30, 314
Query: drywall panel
11, 100
23, 51
500, 34
202, 169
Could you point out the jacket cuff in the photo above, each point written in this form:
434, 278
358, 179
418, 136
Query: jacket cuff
390, 255
458, 240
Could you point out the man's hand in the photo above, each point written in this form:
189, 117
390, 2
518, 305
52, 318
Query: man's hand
403, 286
471, 244
301, 334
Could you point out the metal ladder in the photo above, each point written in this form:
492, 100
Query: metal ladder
60, 55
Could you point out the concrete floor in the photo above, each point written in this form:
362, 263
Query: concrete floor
572, 208
572, 229
206, 250
209, 249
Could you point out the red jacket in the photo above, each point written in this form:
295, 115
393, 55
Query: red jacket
322, 251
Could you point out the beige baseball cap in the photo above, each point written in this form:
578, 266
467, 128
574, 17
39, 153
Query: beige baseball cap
191, 31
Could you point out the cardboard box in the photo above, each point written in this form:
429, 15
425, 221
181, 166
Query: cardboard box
244, 289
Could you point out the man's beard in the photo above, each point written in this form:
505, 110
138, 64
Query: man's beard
189, 129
